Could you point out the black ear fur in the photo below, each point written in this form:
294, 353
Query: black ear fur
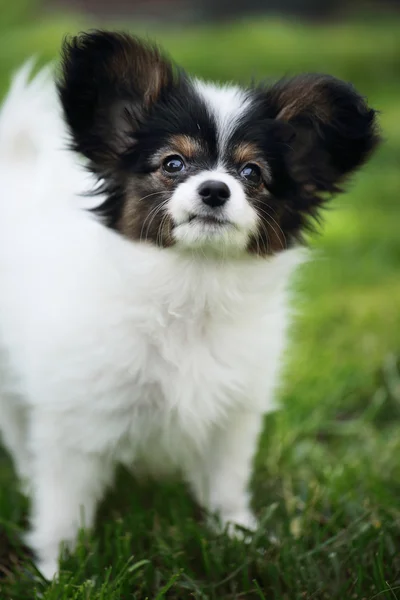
108, 83
334, 129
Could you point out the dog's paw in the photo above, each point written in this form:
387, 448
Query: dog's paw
48, 568
46, 559
240, 525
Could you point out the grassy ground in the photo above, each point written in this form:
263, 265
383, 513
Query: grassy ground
327, 480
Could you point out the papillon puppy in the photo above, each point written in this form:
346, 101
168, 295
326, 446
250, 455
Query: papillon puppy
149, 225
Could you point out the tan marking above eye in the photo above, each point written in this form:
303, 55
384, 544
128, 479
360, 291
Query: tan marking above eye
184, 145
246, 152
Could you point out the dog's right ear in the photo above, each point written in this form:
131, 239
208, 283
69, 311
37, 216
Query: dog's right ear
109, 82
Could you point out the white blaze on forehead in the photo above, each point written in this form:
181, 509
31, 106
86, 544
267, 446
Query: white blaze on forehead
227, 104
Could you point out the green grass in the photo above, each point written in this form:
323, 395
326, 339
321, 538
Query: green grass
327, 478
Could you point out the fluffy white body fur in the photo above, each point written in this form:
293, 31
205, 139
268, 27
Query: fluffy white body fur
117, 351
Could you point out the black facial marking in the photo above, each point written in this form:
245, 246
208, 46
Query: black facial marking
181, 112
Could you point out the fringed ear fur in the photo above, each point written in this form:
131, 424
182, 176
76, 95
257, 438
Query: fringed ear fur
334, 129
108, 83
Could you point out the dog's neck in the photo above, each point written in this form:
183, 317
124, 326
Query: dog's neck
190, 286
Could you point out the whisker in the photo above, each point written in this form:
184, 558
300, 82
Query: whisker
280, 228
158, 236
152, 194
152, 214
269, 216
147, 217
161, 207
153, 209
265, 241
160, 229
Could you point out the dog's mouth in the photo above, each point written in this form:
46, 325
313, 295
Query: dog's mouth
209, 220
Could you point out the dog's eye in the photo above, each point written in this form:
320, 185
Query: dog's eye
173, 164
252, 173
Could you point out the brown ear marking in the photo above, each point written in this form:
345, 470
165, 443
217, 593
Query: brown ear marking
108, 81
335, 129
304, 94
141, 62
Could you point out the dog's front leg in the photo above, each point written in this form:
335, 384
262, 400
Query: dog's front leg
67, 485
221, 479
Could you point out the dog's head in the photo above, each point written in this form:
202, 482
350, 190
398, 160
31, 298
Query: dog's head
196, 165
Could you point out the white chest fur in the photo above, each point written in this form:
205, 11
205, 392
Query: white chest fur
128, 342
173, 346
120, 352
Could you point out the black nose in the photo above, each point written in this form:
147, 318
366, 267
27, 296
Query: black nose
214, 193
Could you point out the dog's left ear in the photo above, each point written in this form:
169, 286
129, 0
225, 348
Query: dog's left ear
109, 82
333, 129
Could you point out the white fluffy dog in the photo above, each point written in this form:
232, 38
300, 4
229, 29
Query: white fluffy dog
148, 329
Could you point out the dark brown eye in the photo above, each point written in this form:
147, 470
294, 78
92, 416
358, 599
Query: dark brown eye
252, 173
173, 164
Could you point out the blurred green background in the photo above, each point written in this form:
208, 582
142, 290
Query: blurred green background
328, 472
